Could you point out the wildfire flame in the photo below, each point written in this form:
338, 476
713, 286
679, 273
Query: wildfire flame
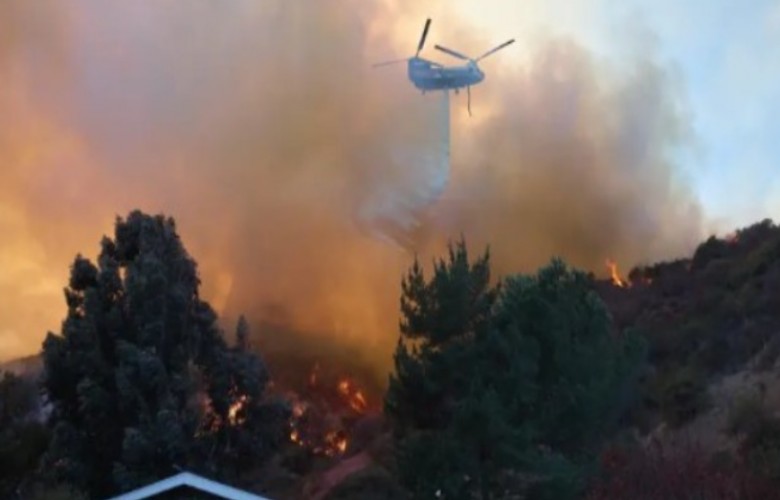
320, 423
337, 442
332, 443
298, 409
321, 414
615, 274
213, 422
353, 396
234, 416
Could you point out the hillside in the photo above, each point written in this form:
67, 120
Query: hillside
711, 320
28, 365
707, 317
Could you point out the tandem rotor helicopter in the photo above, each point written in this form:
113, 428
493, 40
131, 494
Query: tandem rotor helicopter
429, 75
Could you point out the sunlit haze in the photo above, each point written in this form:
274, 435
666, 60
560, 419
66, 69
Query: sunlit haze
303, 181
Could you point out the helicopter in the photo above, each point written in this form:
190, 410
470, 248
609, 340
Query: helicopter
428, 75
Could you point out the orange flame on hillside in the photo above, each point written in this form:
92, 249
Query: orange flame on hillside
234, 412
615, 274
353, 395
321, 418
213, 422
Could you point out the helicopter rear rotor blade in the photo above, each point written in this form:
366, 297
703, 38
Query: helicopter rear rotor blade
496, 49
453, 53
424, 36
387, 63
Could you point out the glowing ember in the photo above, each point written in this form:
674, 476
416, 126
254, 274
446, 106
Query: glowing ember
615, 275
313, 375
358, 402
336, 443
353, 396
234, 416
298, 409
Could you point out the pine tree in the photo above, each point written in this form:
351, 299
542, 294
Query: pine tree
440, 318
252, 429
517, 389
579, 375
23, 437
141, 379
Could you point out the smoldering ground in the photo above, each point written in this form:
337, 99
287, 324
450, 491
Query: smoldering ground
262, 129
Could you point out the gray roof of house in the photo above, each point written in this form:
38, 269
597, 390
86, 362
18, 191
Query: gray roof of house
192, 481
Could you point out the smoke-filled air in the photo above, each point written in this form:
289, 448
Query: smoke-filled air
302, 180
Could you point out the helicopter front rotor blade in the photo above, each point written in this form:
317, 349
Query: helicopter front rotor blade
387, 63
424, 36
452, 53
496, 49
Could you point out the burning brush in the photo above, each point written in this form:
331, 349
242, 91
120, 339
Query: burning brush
614, 274
325, 411
637, 276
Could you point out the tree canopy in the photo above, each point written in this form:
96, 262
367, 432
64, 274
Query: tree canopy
23, 436
141, 379
497, 386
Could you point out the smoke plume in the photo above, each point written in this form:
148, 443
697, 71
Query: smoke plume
302, 179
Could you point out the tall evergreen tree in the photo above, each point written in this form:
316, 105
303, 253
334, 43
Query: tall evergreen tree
23, 436
141, 379
440, 319
516, 391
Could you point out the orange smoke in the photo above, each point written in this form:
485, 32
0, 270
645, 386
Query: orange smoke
262, 129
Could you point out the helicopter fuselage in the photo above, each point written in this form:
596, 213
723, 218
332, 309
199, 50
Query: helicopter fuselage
426, 75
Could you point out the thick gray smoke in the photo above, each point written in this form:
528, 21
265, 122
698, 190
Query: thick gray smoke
575, 164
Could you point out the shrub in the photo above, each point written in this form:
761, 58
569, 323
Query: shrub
685, 473
711, 250
683, 395
374, 483
747, 414
55, 492
761, 448
768, 356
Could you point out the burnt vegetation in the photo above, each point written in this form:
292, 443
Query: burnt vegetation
539, 386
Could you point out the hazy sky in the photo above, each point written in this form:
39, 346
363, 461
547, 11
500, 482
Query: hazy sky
728, 56
728, 59
612, 129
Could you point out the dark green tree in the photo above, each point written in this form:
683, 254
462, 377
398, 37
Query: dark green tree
141, 379
23, 435
520, 397
581, 375
253, 430
440, 320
